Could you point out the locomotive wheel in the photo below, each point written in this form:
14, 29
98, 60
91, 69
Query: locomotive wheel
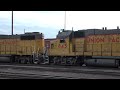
55, 60
63, 61
74, 61
19, 61
23, 61
80, 61
81, 64
12, 59
35, 62
70, 61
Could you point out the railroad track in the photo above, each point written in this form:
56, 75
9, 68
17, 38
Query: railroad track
62, 66
65, 69
9, 75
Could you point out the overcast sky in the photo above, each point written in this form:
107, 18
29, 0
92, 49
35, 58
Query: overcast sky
50, 22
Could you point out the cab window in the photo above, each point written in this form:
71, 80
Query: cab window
52, 46
62, 41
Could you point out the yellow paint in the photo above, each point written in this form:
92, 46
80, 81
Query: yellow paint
57, 49
103, 45
79, 46
21, 47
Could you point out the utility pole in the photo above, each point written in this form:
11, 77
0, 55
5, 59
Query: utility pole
12, 22
65, 21
24, 31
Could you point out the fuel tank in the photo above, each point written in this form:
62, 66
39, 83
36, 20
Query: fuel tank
102, 62
4, 59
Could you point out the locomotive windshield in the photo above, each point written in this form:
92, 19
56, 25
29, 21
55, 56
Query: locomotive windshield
62, 40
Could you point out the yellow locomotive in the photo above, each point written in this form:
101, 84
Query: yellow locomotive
24, 48
98, 47
64, 50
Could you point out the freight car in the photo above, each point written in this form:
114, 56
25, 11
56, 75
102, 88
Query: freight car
97, 47
23, 48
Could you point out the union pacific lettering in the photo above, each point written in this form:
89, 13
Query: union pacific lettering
96, 40
114, 39
103, 38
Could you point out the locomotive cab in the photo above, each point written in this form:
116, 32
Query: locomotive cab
61, 49
61, 45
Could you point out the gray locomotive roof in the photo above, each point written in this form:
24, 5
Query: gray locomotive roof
17, 36
9, 36
99, 31
64, 34
37, 34
108, 31
87, 32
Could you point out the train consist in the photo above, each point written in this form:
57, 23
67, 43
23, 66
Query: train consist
98, 47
